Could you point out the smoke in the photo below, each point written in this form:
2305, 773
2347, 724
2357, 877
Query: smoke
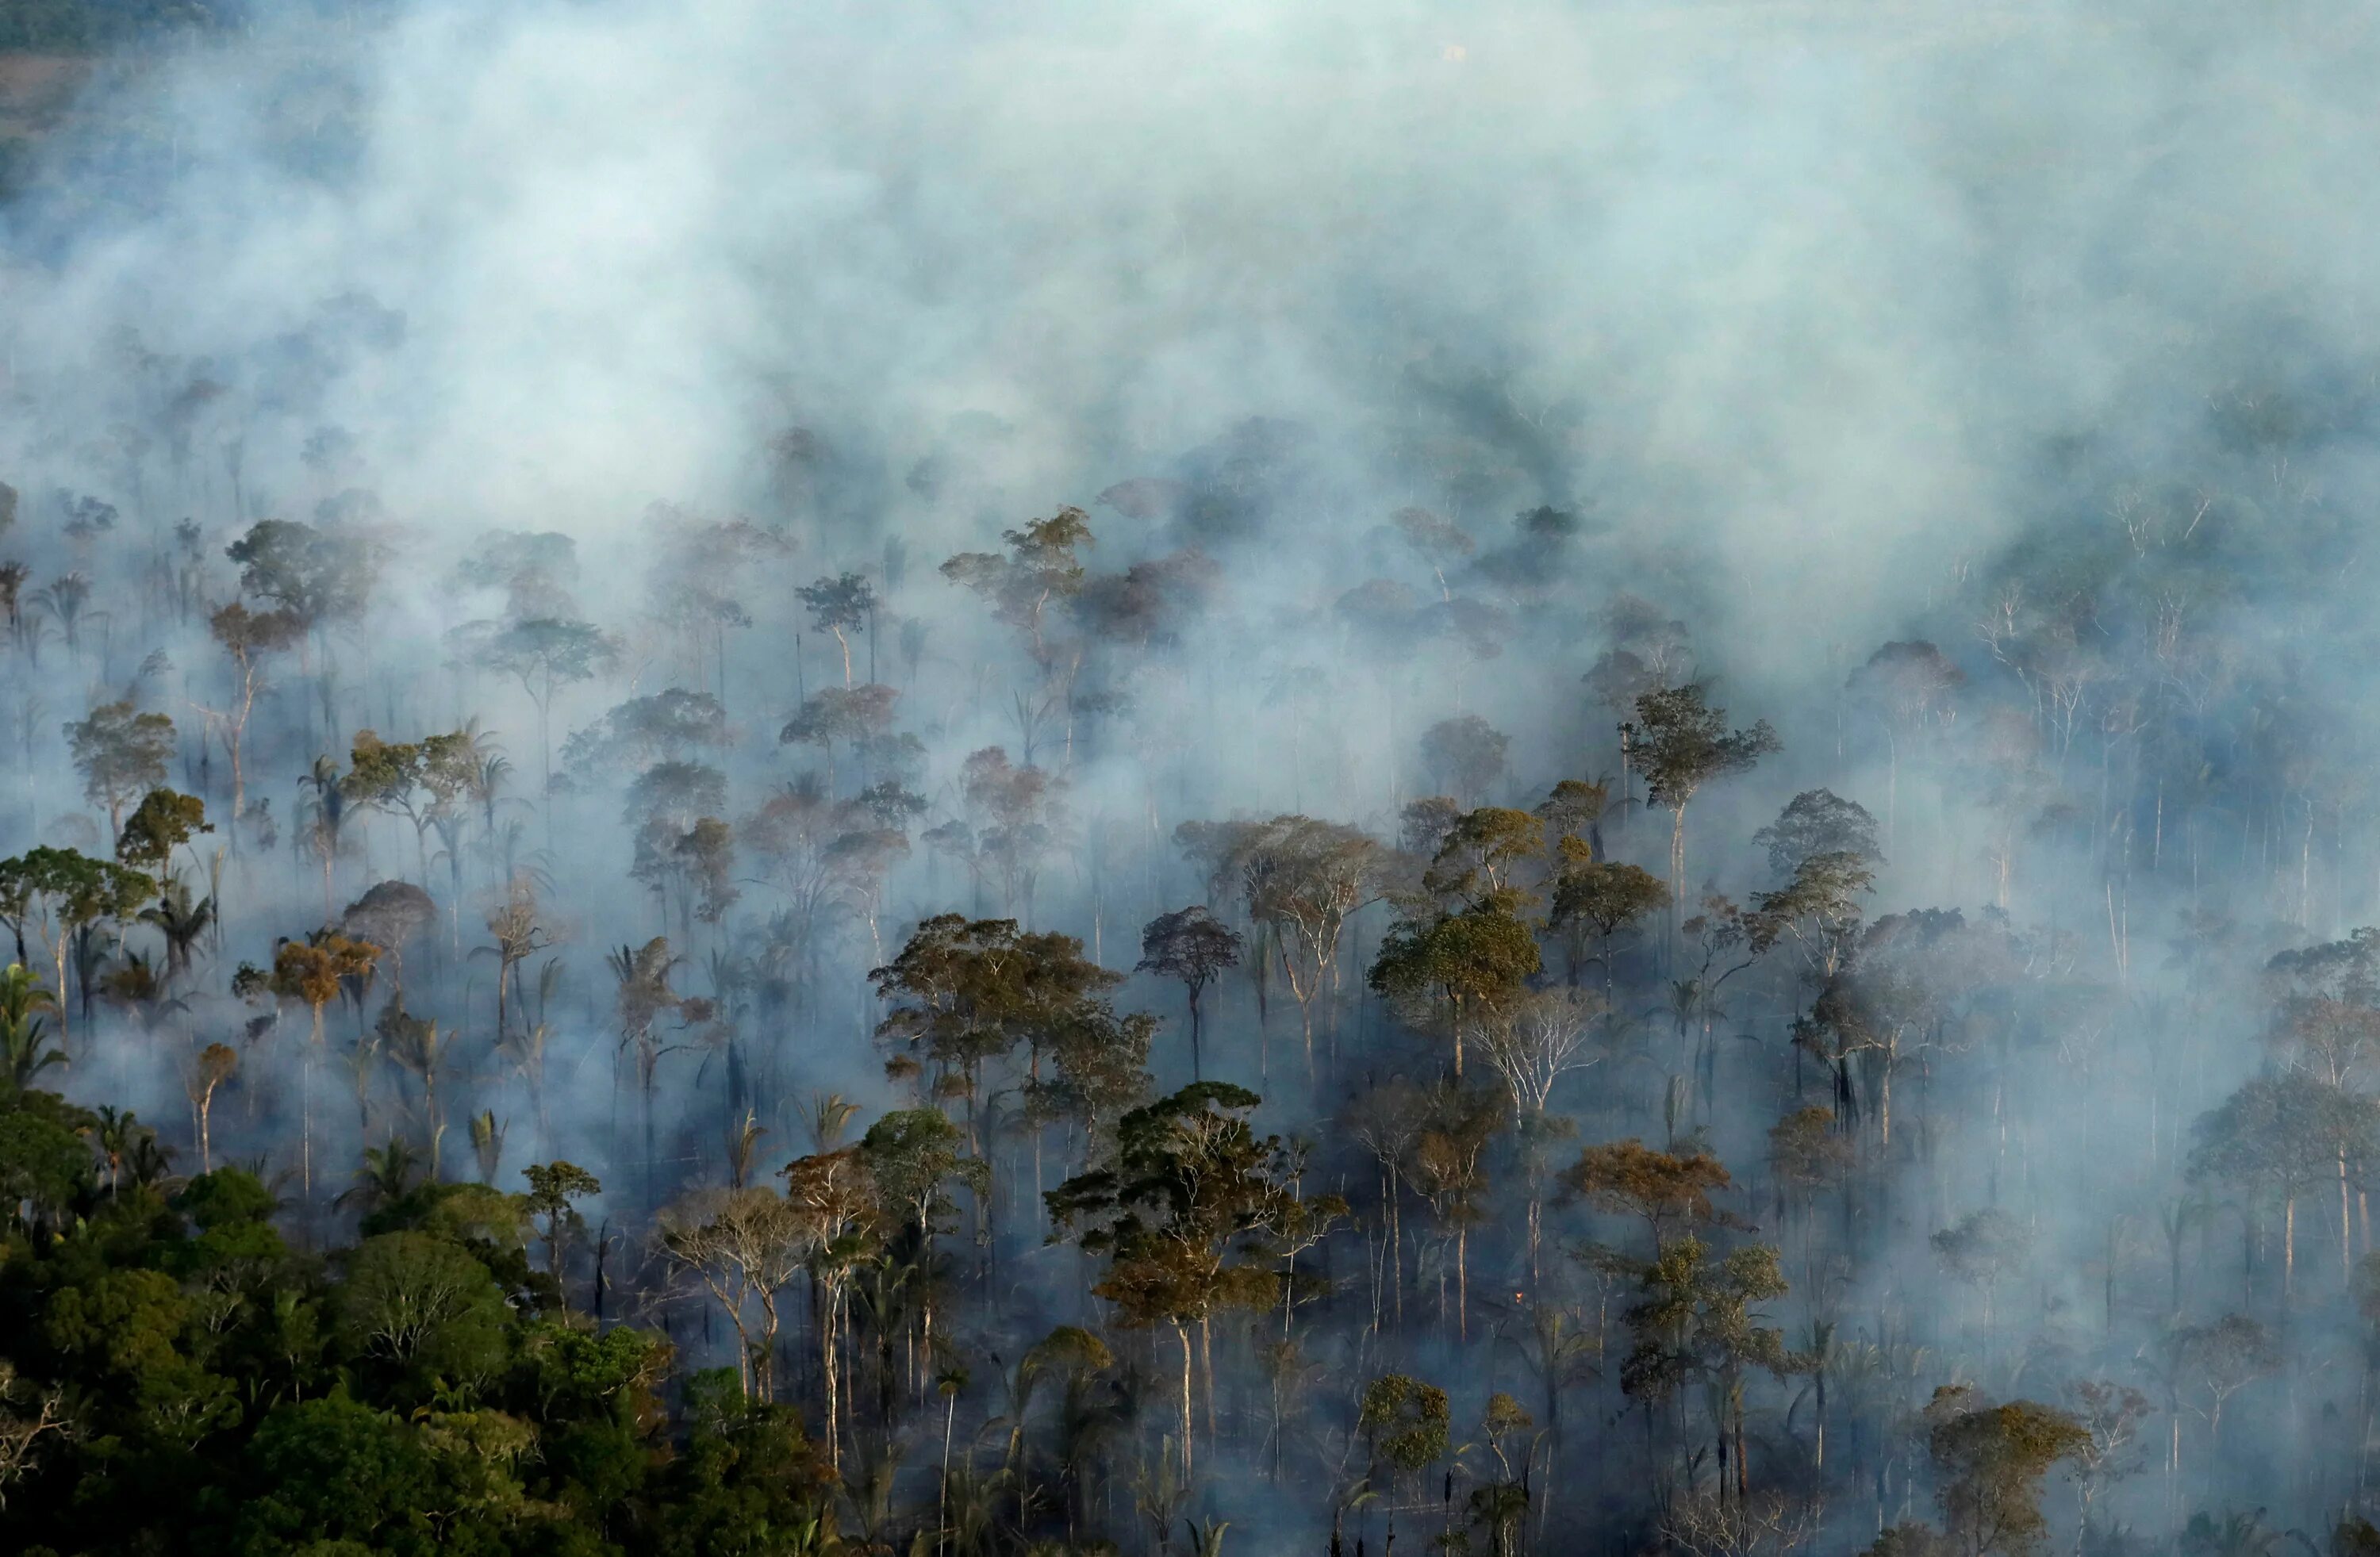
1822, 325
1786, 285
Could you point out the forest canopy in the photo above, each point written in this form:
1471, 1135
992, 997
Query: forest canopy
1196, 780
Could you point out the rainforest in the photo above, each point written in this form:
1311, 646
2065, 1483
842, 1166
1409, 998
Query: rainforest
781, 777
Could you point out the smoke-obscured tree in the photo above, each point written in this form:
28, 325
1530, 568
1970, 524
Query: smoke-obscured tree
317, 576
1303, 879
536, 569
1982, 1249
1908, 687
313, 973
1190, 1189
1194, 946
1681, 743
1991, 1460
1669, 1190
121, 754
413, 779
670, 725
59, 894
1697, 1319
2327, 1006
1817, 910
641, 975
1819, 822
1447, 1166
391, 915
840, 605
703, 584
856, 718
249, 640
1025, 589
326, 811
828, 859
2277, 1139
421, 1048
544, 654
517, 935
2222, 1358
1018, 813
835, 1200
1464, 755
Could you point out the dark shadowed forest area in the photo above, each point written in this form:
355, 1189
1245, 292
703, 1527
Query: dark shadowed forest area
782, 779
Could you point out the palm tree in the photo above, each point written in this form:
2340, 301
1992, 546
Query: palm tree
67, 598
419, 1048
183, 921
487, 1144
137, 986
118, 1137
25, 1048
325, 817
518, 937
386, 1176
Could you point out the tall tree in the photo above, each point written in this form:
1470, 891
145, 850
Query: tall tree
1189, 1193
1192, 946
121, 752
1680, 742
841, 606
58, 894
249, 639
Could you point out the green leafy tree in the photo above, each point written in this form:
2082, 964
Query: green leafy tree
1697, 1317
1599, 897
1681, 743
59, 893
423, 1309
1991, 1460
969, 992
121, 754
1194, 946
163, 822
1181, 1214
552, 1190
1406, 1424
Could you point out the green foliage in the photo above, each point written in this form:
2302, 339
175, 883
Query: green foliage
314, 575
1190, 1187
423, 1308
1992, 1459
1407, 1423
161, 823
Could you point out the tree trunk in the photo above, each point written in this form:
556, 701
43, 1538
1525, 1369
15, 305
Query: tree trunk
1182, 1333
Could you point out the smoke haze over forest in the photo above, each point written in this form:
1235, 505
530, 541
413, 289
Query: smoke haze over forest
1749, 624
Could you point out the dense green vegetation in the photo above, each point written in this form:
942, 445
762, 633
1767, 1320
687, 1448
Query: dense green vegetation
182, 1380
